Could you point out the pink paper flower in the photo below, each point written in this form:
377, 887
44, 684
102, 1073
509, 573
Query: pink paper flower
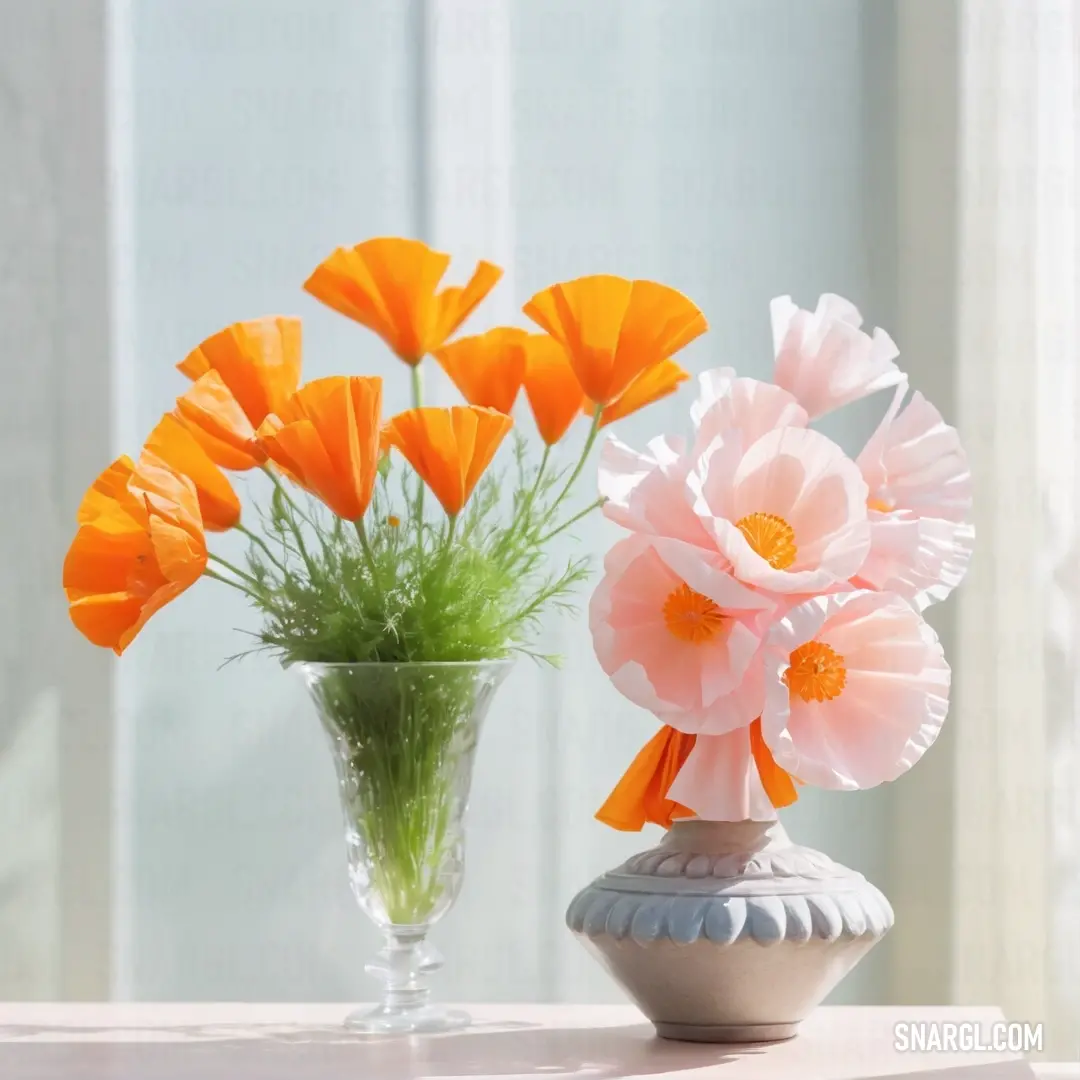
648, 492
719, 780
679, 636
857, 689
920, 504
824, 359
788, 512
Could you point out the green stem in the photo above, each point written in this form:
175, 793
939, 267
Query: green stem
539, 474
530, 497
571, 521
256, 539
241, 574
297, 534
522, 516
450, 527
284, 491
590, 440
417, 383
365, 544
207, 572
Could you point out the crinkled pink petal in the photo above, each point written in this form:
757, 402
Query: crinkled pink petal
647, 492
693, 686
727, 403
720, 782
893, 703
822, 357
707, 573
802, 477
914, 462
920, 486
921, 559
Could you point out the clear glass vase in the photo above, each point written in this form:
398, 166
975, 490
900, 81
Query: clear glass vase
404, 738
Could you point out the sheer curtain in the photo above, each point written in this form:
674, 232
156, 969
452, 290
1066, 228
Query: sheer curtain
733, 150
55, 695
1017, 864
985, 845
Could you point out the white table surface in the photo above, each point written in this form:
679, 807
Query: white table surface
307, 1042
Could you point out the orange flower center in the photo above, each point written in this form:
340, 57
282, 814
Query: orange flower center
393, 521
816, 673
771, 537
692, 617
884, 506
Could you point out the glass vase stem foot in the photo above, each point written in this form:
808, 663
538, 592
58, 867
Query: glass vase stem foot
403, 965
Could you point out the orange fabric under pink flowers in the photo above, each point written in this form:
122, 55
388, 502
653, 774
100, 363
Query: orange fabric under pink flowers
641, 795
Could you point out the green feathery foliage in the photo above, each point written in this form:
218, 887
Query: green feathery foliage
403, 589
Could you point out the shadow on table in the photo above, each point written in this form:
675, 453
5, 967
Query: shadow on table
217, 1053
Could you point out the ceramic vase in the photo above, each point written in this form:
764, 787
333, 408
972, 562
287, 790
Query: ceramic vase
727, 931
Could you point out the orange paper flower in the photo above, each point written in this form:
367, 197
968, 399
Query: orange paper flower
241, 374
651, 385
641, 793
215, 419
449, 448
554, 393
173, 443
327, 440
614, 329
109, 489
389, 285
139, 545
488, 369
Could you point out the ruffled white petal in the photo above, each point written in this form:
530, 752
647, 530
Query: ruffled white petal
824, 359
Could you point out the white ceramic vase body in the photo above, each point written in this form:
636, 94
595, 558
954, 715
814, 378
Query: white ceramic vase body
727, 931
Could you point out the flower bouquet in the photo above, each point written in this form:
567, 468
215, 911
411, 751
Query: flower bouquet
389, 560
766, 608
